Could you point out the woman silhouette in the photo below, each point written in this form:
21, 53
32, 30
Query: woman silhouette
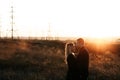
70, 60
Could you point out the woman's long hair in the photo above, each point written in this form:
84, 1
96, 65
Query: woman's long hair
67, 51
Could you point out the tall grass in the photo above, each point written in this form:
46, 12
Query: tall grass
44, 60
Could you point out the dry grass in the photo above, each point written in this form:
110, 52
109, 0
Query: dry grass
44, 60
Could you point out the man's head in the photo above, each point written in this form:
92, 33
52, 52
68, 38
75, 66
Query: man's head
80, 42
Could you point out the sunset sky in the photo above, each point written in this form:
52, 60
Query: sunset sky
72, 18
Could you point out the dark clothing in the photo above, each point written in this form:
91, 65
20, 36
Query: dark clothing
83, 63
78, 66
72, 67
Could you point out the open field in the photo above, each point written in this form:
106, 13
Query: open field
44, 60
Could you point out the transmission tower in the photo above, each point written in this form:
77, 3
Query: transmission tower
12, 21
13, 31
49, 32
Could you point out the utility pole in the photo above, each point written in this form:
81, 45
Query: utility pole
12, 22
49, 31
13, 31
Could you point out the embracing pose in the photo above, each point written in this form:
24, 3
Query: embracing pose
77, 60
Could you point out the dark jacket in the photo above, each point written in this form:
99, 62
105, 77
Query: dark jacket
83, 62
72, 67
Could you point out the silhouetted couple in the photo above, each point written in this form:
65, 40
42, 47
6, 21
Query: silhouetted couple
77, 59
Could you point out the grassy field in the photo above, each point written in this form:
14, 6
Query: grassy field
44, 60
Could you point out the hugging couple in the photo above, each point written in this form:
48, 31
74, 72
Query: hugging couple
77, 60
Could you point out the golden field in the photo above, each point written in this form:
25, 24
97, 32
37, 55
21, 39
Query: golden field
44, 60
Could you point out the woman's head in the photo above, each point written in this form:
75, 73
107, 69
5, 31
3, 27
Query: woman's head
69, 48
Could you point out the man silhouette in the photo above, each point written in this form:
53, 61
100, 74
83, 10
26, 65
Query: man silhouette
82, 58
